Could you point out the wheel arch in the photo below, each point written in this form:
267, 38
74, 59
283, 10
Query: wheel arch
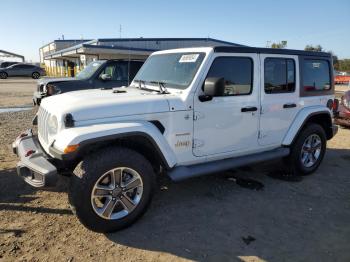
138, 141
144, 138
319, 116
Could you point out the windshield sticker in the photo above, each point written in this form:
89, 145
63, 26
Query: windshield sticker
191, 58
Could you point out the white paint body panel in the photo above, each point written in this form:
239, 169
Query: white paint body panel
221, 127
275, 120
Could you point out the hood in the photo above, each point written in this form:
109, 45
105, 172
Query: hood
45, 81
96, 104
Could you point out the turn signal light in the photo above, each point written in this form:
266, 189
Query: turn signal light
70, 149
29, 153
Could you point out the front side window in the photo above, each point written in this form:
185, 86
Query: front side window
279, 75
237, 73
175, 70
316, 75
118, 71
88, 71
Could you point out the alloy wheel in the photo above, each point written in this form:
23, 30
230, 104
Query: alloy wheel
117, 193
311, 150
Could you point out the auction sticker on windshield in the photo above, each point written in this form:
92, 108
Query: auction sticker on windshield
189, 58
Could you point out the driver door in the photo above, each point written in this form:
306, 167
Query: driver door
229, 123
118, 73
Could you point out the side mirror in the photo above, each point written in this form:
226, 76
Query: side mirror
213, 86
106, 77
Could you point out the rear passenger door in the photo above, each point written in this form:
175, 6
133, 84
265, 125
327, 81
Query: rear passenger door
279, 96
16, 70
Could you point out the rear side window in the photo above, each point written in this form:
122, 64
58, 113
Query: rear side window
237, 72
316, 75
279, 75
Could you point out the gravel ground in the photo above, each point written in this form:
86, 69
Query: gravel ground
16, 91
204, 219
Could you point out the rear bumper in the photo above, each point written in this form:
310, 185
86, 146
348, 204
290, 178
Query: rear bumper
33, 165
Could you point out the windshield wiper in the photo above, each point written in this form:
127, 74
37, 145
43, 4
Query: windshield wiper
162, 88
142, 82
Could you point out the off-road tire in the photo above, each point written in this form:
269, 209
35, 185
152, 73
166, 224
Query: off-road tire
87, 173
3, 75
293, 161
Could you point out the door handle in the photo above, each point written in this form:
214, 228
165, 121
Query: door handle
291, 105
249, 109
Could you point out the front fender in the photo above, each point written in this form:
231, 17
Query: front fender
300, 120
86, 135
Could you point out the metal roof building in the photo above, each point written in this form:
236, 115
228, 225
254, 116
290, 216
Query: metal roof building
58, 55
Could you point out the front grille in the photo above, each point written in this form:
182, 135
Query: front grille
43, 116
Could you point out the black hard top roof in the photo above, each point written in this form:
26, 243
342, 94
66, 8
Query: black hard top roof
233, 49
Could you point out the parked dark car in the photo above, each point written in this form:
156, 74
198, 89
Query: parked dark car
7, 64
22, 69
342, 117
104, 74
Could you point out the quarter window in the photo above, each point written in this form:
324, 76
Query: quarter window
279, 75
316, 75
237, 72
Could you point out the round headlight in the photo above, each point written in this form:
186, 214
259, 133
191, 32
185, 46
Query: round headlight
52, 125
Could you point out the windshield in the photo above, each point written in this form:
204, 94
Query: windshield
174, 70
88, 71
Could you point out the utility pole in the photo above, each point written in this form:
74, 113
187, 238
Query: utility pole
120, 31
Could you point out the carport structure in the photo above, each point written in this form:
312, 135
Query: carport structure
57, 60
7, 54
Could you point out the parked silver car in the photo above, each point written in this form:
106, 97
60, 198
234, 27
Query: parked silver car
22, 69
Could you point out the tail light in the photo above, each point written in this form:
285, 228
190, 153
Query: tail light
330, 104
333, 104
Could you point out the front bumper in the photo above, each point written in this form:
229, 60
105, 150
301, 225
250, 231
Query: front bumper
37, 97
33, 165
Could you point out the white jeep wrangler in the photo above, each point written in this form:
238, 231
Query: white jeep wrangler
188, 112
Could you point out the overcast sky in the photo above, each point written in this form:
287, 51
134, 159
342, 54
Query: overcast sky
27, 25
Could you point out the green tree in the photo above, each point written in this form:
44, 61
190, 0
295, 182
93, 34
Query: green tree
319, 48
316, 48
280, 45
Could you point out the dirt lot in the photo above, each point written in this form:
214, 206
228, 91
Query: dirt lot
16, 91
203, 219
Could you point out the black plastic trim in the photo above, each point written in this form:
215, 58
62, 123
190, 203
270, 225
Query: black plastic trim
258, 50
308, 118
84, 146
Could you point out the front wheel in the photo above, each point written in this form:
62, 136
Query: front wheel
111, 189
308, 150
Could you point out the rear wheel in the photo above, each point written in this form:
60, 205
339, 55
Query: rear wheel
308, 150
3, 75
35, 75
111, 189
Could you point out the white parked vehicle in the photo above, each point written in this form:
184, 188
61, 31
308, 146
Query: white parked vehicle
188, 112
